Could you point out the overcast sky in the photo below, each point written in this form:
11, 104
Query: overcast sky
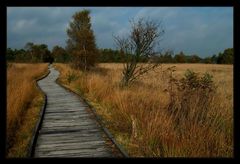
194, 30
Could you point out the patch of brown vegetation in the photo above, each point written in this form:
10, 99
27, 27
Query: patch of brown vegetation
139, 118
24, 101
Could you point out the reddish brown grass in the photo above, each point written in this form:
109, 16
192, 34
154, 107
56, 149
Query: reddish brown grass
138, 115
23, 105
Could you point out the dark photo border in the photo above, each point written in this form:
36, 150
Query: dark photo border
166, 3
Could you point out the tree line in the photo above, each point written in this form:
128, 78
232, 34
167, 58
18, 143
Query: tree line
225, 57
40, 53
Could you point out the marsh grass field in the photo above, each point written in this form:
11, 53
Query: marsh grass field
24, 101
139, 117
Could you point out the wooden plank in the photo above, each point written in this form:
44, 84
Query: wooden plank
60, 115
63, 152
76, 135
85, 129
63, 139
86, 144
74, 155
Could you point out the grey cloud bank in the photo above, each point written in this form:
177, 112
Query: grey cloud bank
195, 30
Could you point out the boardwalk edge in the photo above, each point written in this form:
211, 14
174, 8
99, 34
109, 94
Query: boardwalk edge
31, 147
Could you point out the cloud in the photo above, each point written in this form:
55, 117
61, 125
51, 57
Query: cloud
22, 23
200, 30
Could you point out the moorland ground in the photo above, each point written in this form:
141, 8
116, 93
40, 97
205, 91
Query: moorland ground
140, 117
24, 101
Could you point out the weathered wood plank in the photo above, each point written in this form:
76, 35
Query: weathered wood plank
63, 140
76, 134
67, 129
74, 155
82, 143
63, 152
66, 116
58, 129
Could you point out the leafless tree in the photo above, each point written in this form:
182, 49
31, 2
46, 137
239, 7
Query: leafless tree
142, 43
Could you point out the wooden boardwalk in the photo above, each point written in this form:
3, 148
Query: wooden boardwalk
68, 129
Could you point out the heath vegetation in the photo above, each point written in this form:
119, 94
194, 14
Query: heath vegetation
170, 112
24, 101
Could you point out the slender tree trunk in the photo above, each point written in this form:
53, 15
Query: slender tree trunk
31, 55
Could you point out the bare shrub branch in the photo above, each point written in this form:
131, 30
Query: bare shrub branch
140, 44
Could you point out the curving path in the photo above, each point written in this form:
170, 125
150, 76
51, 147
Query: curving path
67, 129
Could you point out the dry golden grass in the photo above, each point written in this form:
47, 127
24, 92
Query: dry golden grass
24, 100
139, 119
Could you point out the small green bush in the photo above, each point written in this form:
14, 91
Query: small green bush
190, 96
192, 81
71, 76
